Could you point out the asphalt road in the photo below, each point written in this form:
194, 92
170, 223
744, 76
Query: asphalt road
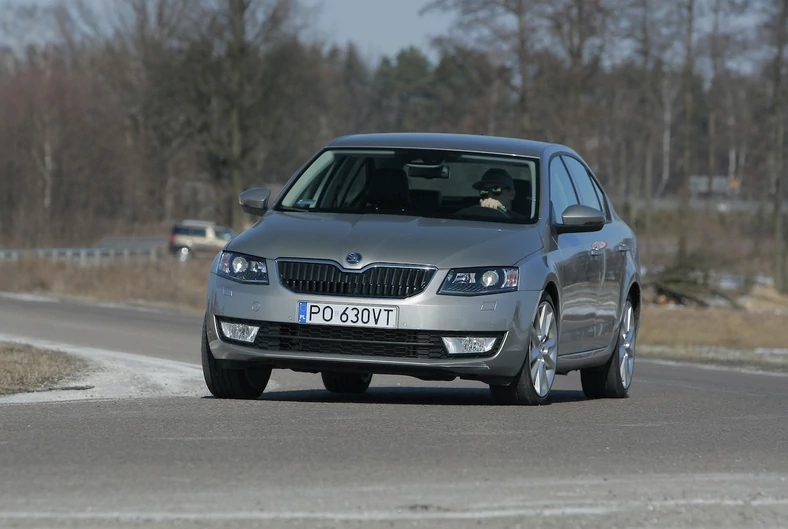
691, 447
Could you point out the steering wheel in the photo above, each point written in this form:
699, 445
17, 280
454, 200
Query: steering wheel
478, 210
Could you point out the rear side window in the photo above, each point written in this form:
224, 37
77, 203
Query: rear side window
562, 193
585, 187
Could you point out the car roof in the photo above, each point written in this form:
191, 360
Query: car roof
445, 141
194, 222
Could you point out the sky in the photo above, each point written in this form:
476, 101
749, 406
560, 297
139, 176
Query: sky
378, 27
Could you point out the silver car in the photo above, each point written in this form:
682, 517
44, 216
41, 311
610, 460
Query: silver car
438, 256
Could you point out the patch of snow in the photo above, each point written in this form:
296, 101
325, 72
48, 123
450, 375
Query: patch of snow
28, 297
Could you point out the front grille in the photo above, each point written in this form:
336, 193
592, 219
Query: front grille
374, 282
339, 340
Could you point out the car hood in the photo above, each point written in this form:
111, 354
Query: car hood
387, 239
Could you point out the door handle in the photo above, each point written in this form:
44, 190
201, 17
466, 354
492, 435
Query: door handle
623, 247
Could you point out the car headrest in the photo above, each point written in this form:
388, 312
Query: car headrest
389, 189
523, 195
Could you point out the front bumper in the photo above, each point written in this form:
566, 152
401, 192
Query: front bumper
423, 318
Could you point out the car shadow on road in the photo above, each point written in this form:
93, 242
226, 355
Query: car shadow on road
410, 396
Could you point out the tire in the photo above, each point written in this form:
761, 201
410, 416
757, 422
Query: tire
533, 383
348, 383
614, 379
231, 383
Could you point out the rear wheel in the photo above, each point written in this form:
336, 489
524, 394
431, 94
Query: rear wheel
535, 380
231, 383
614, 378
353, 383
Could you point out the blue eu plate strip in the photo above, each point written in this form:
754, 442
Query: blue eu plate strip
302, 312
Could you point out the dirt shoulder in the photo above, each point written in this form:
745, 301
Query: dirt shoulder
24, 368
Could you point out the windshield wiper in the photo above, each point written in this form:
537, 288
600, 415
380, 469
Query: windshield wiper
289, 208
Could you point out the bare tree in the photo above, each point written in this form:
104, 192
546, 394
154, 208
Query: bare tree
230, 86
511, 28
778, 163
581, 28
669, 91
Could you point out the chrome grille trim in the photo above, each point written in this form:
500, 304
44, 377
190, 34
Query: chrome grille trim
376, 280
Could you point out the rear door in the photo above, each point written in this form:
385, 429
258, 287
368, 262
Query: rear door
578, 270
603, 246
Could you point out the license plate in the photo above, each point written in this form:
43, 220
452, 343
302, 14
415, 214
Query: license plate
347, 314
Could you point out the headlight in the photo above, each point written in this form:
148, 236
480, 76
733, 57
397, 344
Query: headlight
479, 281
242, 268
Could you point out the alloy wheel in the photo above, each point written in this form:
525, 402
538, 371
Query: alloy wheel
626, 345
544, 350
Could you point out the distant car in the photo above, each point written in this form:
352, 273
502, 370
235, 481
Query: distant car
195, 237
436, 256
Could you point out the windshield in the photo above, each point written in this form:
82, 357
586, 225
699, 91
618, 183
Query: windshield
417, 182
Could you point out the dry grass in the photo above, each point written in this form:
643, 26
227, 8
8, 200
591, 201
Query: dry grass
760, 325
712, 327
165, 283
24, 368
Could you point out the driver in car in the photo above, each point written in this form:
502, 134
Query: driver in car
496, 190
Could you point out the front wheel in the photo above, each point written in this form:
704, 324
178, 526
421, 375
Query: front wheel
535, 380
231, 383
352, 383
614, 378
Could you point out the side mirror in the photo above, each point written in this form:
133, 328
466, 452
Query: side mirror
255, 201
579, 219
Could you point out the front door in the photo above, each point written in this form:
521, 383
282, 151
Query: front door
605, 246
579, 270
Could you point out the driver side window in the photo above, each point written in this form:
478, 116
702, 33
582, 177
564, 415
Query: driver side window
562, 191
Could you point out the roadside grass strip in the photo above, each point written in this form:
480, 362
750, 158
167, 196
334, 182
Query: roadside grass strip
26, 369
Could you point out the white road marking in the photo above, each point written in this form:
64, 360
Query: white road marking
412, 513
561, 497
711, 366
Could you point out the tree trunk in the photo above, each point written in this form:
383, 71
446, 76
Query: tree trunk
684, 194
624, 179
236, 173
715, 67
711, 168
649, 194
668, 93
645, 98
492, 114
779, 133
236, 50
524, 63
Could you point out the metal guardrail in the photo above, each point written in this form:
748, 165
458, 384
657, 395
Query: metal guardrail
122, 243
84, 256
